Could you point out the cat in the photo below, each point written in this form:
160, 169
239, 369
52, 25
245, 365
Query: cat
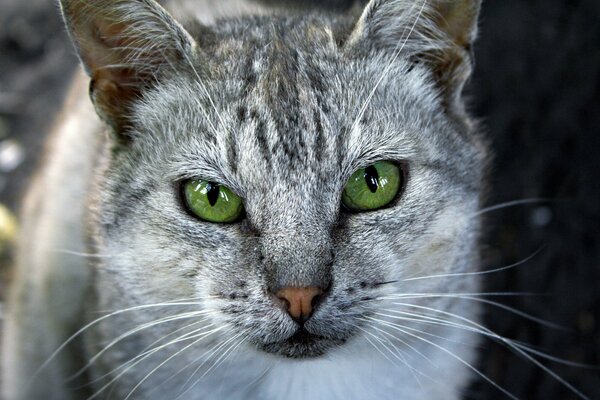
266, 200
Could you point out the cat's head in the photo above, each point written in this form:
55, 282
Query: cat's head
293, 173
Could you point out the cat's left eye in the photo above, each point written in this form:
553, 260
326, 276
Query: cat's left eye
373, 187
211, 201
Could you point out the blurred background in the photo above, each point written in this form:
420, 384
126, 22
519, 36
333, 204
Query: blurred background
536, 90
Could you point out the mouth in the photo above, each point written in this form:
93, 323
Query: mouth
302, 344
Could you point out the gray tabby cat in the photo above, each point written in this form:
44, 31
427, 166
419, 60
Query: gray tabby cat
277, 201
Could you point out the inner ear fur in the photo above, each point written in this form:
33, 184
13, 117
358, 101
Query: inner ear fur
124, 46
437, 33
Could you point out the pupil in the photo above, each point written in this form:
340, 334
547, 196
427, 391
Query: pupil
212, 193
372, 178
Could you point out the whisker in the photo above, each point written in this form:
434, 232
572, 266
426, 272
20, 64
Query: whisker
227, 353
160, 366
490, 271
406, 344
433, 335
555, 359
453, 355
512, 203
487, 332
174, 375
81, 254
222, 359
142, 357
472, 294
394, 352
186, 301
506, 341
148, 350
211, 352
515, 311
512, 310
136, 330
430, 320
89, 325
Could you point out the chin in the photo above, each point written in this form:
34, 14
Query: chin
302, 345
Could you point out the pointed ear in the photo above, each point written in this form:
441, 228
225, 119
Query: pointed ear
124, 45
439, 33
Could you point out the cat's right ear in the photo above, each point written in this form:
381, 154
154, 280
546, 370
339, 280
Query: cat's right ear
436, 33
125, 46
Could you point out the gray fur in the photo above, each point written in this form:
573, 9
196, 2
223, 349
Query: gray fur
282, 109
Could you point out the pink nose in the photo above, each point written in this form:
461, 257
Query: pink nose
299, 301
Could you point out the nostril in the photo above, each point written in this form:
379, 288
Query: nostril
300, 302
285, 303
316, 300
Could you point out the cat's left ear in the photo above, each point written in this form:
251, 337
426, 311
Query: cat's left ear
438, 33
125, 47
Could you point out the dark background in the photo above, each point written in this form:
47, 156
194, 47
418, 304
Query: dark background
537, 91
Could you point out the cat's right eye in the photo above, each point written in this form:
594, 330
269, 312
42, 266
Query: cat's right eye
373, 187
211, 201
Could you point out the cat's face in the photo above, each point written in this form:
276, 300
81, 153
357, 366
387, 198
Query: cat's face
283, 121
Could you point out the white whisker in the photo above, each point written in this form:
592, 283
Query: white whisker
397, 353
207, 355
477, 273
80, 254
489, 302
190, 336
450, 353
517, 348
148, 350
405, 343
512, 203
93, 323
138, 329
472, 294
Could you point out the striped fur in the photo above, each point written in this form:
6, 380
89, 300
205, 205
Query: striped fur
282, 105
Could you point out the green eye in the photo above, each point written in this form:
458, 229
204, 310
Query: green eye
212, 202
373, 187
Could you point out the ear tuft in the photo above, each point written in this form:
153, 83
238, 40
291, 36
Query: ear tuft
124, 45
